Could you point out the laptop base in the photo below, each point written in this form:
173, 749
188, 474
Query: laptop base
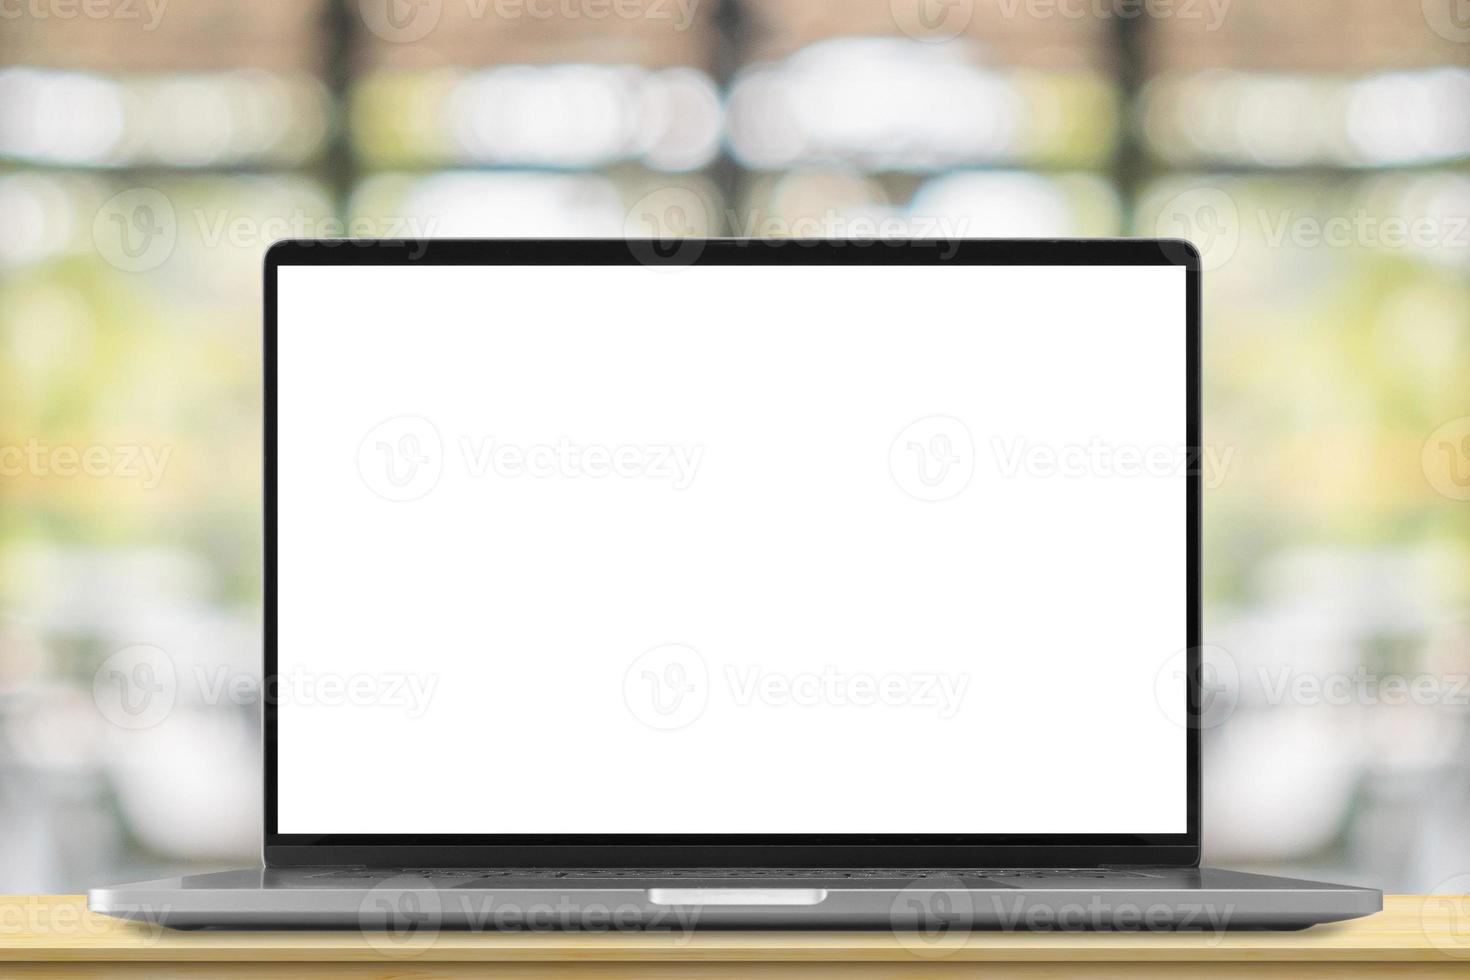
926, 902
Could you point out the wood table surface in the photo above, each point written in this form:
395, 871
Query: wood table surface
1422, 936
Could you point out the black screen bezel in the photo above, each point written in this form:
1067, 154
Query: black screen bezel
695, 850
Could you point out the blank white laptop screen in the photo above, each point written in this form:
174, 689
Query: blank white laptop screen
731, 549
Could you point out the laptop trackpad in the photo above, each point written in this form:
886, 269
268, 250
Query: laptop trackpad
737, 896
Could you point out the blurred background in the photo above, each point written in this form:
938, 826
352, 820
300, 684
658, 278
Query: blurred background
1318, 151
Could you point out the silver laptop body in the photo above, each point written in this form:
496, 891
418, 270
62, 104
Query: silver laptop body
757, 585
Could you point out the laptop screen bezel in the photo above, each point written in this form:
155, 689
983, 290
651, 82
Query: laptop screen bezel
707, 850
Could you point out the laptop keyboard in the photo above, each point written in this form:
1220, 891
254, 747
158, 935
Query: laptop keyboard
760, 874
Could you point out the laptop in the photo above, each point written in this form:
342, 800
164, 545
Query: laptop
733, 584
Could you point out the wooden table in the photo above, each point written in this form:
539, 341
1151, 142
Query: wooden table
55, 936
